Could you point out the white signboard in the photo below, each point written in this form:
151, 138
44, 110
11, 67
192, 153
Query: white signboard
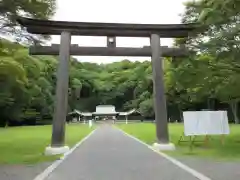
102, 109
205, 123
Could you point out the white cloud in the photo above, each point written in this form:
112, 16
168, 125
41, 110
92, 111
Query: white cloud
121, 11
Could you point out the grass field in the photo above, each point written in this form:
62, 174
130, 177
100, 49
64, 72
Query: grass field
26, 145
229, 151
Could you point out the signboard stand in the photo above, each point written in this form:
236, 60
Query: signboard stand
223, 139
192, 140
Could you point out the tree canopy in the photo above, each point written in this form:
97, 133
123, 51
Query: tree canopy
207, 79
11, 9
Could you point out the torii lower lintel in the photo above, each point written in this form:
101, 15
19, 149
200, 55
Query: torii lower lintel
108, 51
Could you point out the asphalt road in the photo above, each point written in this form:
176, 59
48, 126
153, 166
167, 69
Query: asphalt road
109, 154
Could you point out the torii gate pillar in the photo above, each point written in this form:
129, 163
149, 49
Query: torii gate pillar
61, 98
159, 96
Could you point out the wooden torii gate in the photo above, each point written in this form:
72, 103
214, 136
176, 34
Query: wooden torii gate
111, 30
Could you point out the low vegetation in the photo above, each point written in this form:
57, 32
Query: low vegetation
214, 149
26, 145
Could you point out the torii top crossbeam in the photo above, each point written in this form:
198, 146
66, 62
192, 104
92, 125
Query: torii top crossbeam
49, 27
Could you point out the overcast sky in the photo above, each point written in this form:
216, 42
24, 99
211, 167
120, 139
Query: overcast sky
118, 11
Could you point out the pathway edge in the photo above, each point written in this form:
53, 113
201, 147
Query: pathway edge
56, 163
191, 171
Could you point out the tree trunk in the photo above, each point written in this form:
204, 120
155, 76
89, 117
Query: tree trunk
211, 104
180, 113
6, 125
208, 103
234, 108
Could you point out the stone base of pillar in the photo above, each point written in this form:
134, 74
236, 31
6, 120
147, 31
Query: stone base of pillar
164, 147
56, 150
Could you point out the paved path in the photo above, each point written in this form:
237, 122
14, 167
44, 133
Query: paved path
216, 170
111, 155
21, 172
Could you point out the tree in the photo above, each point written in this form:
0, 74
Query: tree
220, 43
13, 82
11, 9
146, 108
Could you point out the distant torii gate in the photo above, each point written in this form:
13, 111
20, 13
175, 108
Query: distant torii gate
111, 30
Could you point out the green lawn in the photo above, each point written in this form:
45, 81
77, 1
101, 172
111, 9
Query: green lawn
229, 151
26, 145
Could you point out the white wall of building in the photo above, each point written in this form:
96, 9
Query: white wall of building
105, 109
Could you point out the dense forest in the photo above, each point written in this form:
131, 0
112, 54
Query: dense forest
207, 79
